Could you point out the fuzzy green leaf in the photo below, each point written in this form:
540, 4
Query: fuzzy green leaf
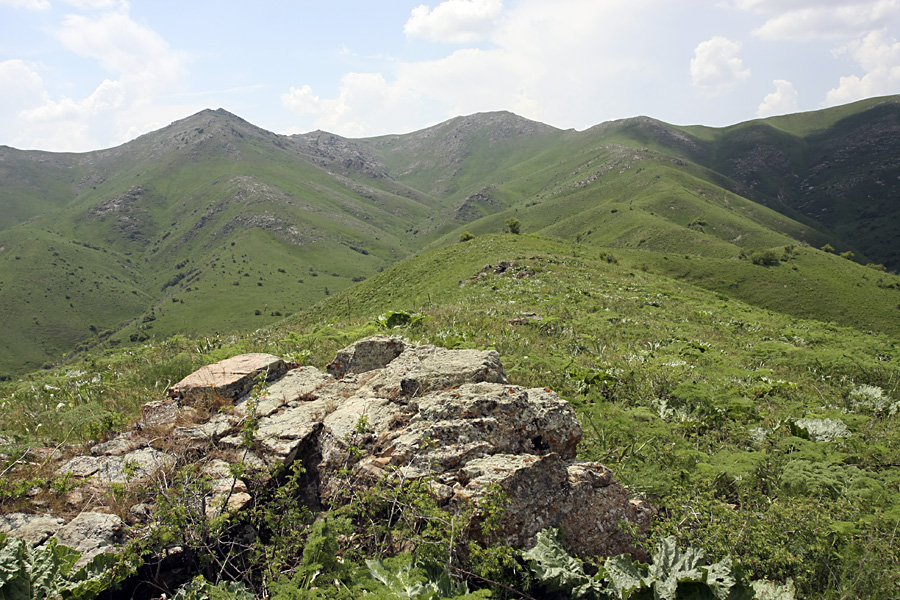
558, 571
768, 590
47, 572
399, 577
672, 566
723, 581
626, 577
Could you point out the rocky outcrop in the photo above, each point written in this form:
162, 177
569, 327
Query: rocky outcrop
90, 533
383, 409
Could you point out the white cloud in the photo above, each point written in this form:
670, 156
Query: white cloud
366, 103
782, 101
302, 101
139, 59
97, 4
22, 88
557, 62
825, 19
455, 21
716, 66
120, 45
879, 57
140, 66
27, 4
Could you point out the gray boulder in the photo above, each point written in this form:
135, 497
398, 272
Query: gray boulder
91, 534
383, 409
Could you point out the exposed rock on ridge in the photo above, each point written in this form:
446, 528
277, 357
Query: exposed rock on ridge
382, 409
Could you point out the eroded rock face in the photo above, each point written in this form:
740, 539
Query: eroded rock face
383, 408
90, 533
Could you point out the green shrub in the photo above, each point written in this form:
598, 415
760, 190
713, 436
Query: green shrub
765, 257
466, 236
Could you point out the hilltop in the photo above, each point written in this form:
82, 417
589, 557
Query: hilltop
213, 225
756, 435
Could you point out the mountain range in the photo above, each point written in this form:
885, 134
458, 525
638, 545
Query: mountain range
213, 225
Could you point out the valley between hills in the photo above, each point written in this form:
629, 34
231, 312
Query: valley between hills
719, 306
212, 225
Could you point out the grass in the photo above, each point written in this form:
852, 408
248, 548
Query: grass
755, 406
179, 198
692, 398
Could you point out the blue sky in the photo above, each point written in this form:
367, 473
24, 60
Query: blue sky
78, 75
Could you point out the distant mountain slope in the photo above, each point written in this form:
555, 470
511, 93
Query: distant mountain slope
454, 158
839, 168
215, 225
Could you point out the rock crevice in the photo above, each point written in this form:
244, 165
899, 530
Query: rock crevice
382, 409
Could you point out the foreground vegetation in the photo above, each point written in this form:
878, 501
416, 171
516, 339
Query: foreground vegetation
768, 438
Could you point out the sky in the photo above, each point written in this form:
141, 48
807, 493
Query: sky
80, 75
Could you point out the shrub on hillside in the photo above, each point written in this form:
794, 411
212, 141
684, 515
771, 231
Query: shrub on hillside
766, 257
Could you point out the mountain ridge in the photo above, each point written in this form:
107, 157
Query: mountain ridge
212, 201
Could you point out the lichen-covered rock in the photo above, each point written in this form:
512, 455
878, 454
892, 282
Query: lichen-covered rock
366, 355
34, 529
91, 533
449, 428
421, 369
227, 492
119, 445
135, 467
582, 499
597, 506
383, 409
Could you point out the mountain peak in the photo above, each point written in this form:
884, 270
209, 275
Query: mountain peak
210, 130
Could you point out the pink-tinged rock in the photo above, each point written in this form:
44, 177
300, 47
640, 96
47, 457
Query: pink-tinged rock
596, 506
230, 378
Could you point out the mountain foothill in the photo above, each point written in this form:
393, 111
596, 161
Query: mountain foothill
213, 225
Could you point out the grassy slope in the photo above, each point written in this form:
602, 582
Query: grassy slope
35, 183
687, 395
225, 210
810, 284
55, 293
610, 195
214, 180
834, 167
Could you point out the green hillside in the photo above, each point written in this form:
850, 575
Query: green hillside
836, 167
212, 225
757, 434
215, 225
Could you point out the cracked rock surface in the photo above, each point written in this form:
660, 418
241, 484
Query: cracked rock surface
382, 408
